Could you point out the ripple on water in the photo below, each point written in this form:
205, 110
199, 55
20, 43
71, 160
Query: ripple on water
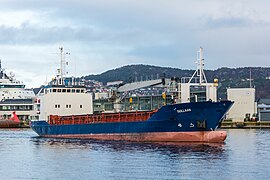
244, 155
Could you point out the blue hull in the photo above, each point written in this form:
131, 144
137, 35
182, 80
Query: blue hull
185, 117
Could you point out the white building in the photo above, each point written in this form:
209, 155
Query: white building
101, 95
244, 103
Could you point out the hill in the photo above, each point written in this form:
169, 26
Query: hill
228, 77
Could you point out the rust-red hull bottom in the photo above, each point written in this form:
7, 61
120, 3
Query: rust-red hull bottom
9, 124
201, 136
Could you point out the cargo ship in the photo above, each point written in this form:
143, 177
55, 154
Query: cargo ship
67, 112
184, 122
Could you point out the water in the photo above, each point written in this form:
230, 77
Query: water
23, 155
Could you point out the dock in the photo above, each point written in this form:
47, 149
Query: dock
245, 125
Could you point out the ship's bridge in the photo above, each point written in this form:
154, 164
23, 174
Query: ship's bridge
64, 89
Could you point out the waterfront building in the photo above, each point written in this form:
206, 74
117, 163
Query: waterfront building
264, 109
244, 106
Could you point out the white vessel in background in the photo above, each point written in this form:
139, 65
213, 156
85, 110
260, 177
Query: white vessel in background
15, 98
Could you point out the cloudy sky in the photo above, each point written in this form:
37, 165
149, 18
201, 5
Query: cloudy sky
105, 34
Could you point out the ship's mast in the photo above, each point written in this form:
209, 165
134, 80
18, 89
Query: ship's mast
199, 72
1, 71
62, 71
62, 64
250, 86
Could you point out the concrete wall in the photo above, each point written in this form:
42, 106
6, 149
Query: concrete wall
244, 102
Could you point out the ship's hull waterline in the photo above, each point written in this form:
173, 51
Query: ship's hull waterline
202, 137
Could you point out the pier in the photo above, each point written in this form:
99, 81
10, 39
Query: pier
245, 125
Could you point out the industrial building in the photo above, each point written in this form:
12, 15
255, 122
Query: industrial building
264, 109
244, 106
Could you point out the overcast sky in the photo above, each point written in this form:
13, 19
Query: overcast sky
106, 34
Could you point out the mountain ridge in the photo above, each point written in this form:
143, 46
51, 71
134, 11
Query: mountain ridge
238, 77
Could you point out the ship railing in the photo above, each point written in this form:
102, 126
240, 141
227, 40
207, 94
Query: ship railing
101, 118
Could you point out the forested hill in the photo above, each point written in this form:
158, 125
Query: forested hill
228, 77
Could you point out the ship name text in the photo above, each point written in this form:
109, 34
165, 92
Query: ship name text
183, 110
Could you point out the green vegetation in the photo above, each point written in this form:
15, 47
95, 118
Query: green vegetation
228, 77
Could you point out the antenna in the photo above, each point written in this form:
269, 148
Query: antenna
62, 71
62, 64
250, 78
199, 71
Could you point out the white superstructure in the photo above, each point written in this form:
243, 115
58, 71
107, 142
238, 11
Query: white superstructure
244, 103
64, 100
64, 96
15, 98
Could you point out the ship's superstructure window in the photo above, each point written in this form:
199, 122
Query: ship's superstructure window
16, 108
68, 105
80, 106
82, 91
77, 91
54, 90
57, 105
12, 86
64, 90
73, 90
58, 90
68, 90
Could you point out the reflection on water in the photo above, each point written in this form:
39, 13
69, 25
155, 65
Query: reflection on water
118, 146
244, 155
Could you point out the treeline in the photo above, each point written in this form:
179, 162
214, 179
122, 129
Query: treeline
228, 77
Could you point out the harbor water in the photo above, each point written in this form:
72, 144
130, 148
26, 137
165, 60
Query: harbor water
24, 155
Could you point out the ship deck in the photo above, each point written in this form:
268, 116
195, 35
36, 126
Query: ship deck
101, 118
